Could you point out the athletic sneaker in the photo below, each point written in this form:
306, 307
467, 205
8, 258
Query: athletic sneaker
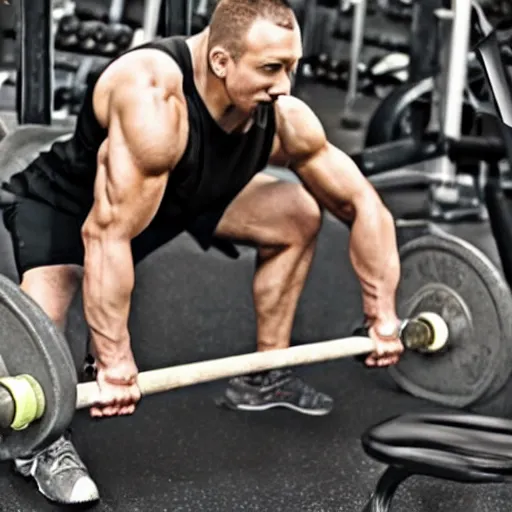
276, 388
60, 474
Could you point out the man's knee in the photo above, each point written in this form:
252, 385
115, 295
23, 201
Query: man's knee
305, 214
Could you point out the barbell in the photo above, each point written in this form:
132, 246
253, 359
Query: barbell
38, 385
459, 288
459, 351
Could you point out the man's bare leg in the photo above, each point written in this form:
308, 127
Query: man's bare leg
53, 288
278, 283
282, 220
58, 470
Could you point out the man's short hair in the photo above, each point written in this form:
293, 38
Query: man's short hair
232, 19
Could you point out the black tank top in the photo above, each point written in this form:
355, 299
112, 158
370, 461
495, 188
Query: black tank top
215, 167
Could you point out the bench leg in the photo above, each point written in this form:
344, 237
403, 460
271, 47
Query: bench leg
385, 490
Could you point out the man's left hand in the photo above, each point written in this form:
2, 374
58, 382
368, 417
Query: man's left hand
388, 349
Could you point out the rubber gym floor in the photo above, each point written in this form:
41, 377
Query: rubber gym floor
180, 452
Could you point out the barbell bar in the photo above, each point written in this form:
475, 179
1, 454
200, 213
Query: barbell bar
22, 399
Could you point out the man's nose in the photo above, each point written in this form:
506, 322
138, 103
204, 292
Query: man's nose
281, 88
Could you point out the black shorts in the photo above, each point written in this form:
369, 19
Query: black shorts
44, 236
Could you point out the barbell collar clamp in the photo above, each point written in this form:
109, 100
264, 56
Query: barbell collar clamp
22, 401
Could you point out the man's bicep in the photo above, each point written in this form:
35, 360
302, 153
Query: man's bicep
144, 142
125, 198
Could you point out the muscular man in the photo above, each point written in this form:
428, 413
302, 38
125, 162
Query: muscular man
171, 138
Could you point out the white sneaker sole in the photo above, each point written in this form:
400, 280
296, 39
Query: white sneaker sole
84, 487
84, 491
265, 407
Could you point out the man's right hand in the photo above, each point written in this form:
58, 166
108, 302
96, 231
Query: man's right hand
119, 392
388, 349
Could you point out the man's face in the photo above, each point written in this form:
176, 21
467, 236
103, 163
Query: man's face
264, 71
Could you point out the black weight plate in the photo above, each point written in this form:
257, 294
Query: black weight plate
449, 276
31, 344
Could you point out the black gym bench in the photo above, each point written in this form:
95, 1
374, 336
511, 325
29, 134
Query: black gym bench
458, 447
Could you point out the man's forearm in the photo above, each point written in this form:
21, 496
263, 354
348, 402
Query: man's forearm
108, 285
374, 256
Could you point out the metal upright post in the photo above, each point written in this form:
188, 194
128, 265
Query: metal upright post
35, 72
423, 46
359, 21
150, 21
455, 80
116, 11
175, 17
307, 19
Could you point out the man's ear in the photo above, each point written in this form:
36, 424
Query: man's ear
219, 59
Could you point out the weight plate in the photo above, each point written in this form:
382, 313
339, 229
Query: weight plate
22, 145
448, 276
31, 344
3, 130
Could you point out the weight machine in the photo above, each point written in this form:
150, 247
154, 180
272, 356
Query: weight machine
452, 196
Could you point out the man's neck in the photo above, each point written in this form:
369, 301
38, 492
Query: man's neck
212, 89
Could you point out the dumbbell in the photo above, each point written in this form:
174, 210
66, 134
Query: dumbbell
320, 65
122, 35
337, 73
68, 25
95, 30
66, 37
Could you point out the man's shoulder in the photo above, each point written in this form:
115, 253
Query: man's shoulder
298, 127
135, 77
288, 106
151, 65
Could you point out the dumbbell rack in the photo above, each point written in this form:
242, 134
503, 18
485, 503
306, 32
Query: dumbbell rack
35, 81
